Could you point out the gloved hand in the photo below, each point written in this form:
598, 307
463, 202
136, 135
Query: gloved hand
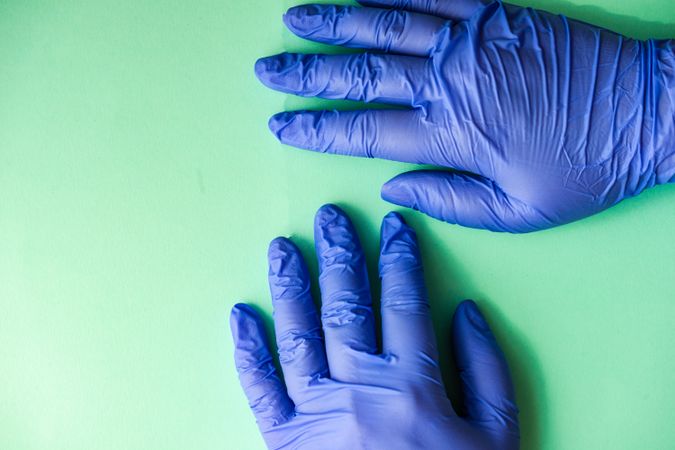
549, 120
339, 391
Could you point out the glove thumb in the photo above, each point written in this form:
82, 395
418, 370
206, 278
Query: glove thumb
463, 199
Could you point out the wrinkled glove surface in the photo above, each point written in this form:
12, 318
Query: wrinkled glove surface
545, 120
339, 391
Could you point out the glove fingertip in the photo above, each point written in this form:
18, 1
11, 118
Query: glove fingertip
327, 213
279, 247
244, 321
398, 244
391, 225
278, 122
396, 192
266, 67
292, 16
239, 310
287, 275
469, 319
395, 228
260, 67
393, 220
305, 18
469, 310
327, 220
333, 231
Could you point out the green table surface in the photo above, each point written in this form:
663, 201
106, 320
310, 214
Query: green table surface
140, 186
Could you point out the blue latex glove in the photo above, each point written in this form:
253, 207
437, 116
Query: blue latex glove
549, 120
339, 392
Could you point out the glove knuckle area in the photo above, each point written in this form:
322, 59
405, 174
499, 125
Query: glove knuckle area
288, 279
254, 365
365, 73
295, 345
404, 291
343, 257
364, 130
410, 304
344, 308
399, 255
400, 264
270, 410
391, 26
289, 288
496, 418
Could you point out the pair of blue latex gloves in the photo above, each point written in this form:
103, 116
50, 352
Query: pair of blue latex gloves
541, 121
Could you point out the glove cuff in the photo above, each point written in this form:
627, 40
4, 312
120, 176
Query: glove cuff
660, 109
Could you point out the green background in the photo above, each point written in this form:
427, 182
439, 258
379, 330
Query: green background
139, 187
